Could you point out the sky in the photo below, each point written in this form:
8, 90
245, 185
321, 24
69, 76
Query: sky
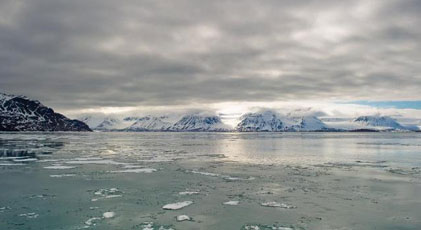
106, 56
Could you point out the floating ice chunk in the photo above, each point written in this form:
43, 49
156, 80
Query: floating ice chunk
29, 215
25, 160
205, 173
62, 175
59, 167
108, 215
251, 227
277, 205
265, 227
183, 218
3, 209
140, 170
48, 160
152, 226
112, 196
231, 178
107, 194
232, 202
11, 164
178, 205
132, 166
103, 162
87, 158
188, 193
92, 221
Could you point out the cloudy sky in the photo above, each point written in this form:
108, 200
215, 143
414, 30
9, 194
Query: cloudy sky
109, 56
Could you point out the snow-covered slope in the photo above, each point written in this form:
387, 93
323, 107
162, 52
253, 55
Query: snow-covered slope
103, 123
19, 113
270, 121
374, 123
150, 123
197, 122
378, 121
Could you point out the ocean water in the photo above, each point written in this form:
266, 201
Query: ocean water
147, 181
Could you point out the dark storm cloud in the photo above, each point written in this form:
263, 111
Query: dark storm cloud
80, 54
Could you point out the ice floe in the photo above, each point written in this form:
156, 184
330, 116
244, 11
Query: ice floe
102, 162
188, 193
29, 215
3, 209
182, 218
25, 160
225, 177
57, 166
205, 173
232, 202
265, 227
107, 194
178, 205
92, 221
62, 175
108, 215
11, 164
152, 226
277, 205
136, 170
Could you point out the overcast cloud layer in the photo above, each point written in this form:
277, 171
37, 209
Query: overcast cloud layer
84, 54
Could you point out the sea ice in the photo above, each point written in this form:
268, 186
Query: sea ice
205, 173
277, 205
139, 170
92, 221
232, 202
29, 215
108, 215
188, 193
178, 205
62, 175
183, 218
59, 167
11, 164
25, 160
265, 227
152, 226
107, 194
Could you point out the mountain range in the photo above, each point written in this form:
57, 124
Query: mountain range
19, 113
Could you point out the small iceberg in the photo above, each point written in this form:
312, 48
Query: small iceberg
186, 193
59, 167
108, 215
92, 221
178, 205
152, 226
62, 175
136, 170
183, 218
274, 204
232, 202
29, 215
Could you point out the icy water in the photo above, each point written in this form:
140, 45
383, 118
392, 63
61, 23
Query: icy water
151, 181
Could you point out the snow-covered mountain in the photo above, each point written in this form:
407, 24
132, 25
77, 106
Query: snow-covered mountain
270, 121
150, 123
197, 122
373, 123
19, 113
103, 123
378, 122
172, 122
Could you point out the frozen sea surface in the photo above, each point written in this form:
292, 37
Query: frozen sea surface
298, 181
